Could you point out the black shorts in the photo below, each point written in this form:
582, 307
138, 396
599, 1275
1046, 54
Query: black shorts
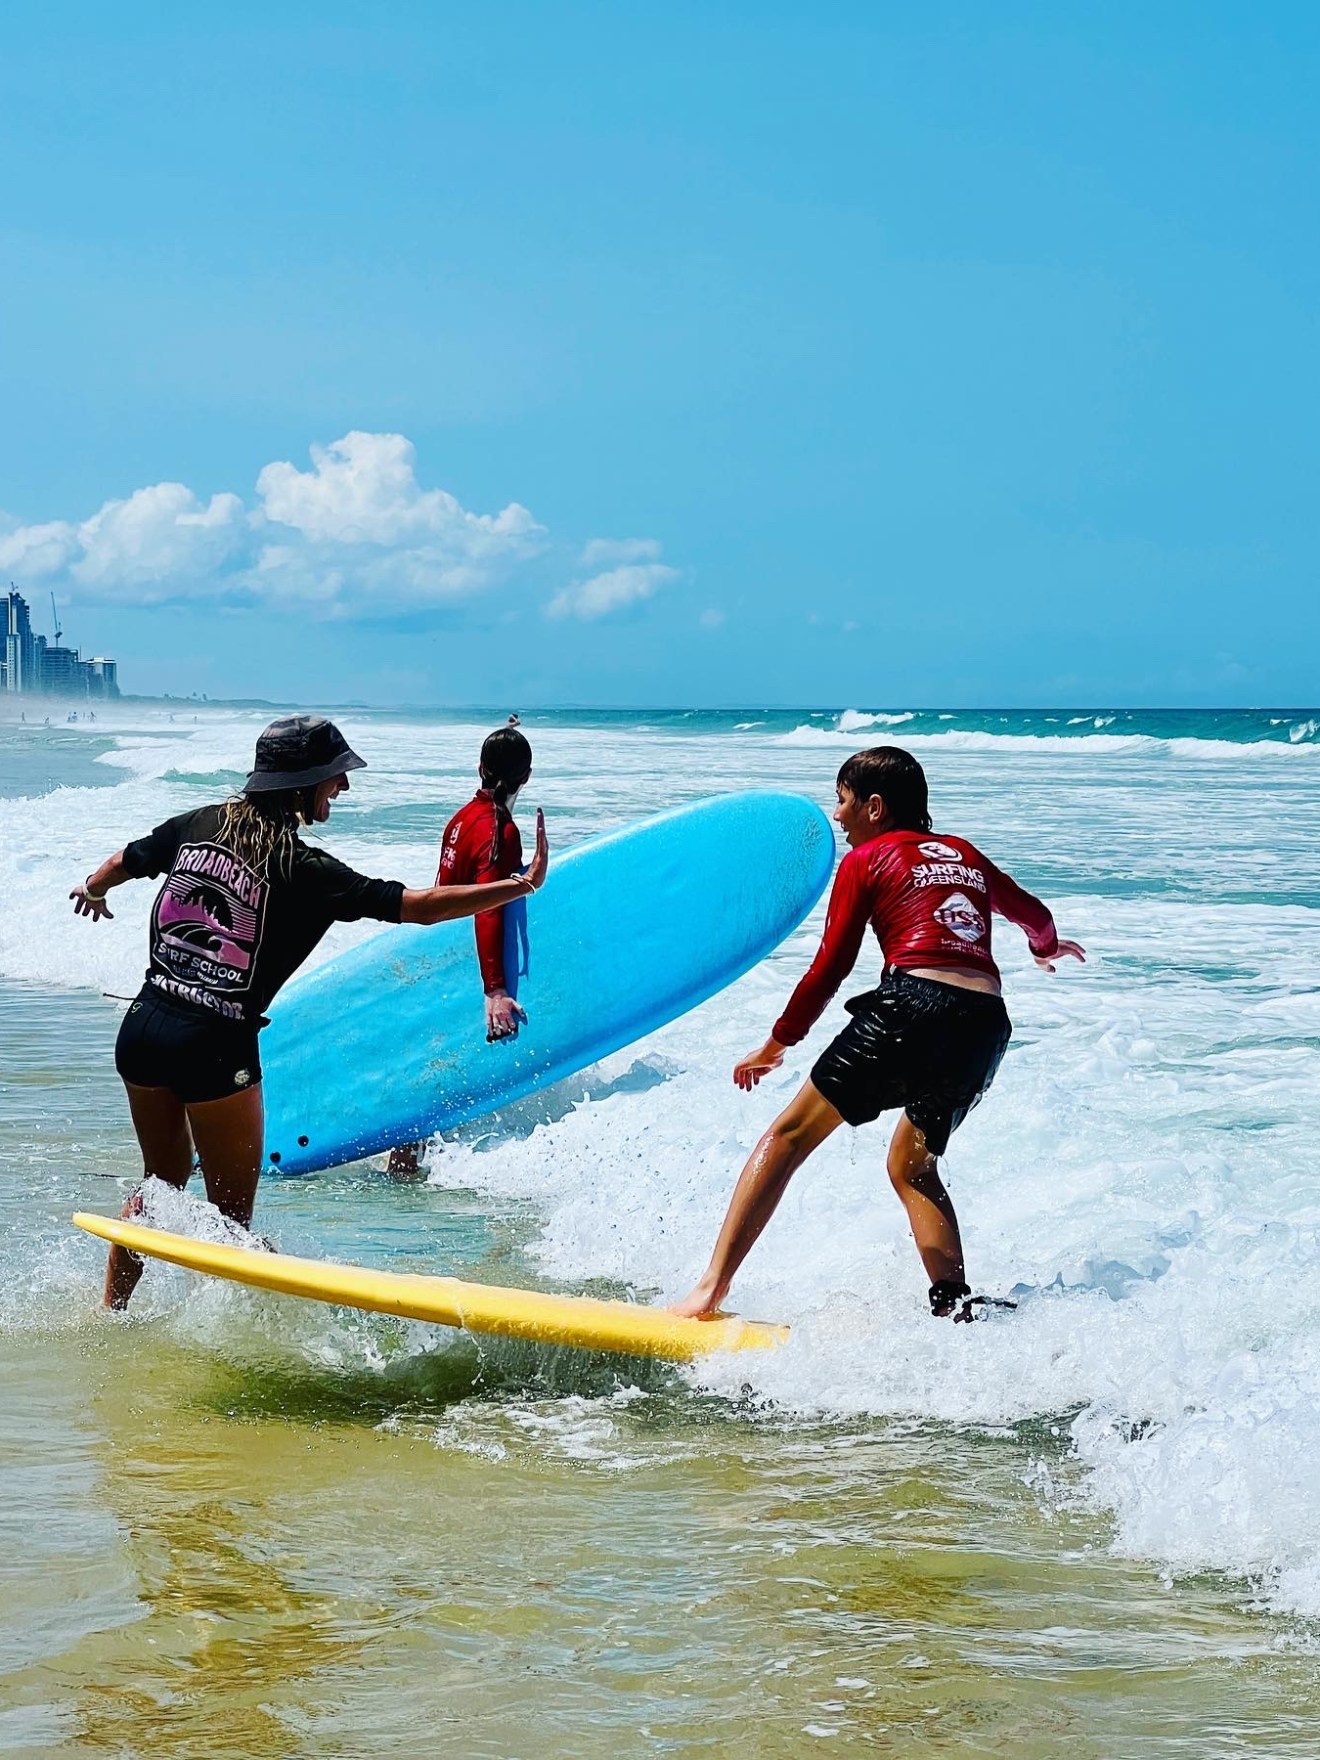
166, 1044
928, 1047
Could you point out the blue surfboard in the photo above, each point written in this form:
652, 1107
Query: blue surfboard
386, 1043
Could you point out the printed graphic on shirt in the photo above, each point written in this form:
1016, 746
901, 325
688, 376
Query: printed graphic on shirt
956, 873
206, 928
961, 917
940, 852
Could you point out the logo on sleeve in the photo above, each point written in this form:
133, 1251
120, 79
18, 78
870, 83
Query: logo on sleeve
961, 917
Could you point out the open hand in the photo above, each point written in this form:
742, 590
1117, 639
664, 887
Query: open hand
539, 865
749, 1072
1070, 949
84, 905
503, 1016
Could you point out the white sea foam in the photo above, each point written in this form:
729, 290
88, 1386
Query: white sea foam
1141, 1176
853, 720
968, 739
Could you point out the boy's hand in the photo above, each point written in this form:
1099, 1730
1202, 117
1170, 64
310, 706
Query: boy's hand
1069, 948
749, 1072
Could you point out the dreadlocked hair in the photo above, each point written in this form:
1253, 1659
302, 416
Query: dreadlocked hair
506, 763
262, 829
896, 777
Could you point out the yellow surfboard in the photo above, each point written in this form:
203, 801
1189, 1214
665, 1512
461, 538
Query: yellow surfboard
581, 1321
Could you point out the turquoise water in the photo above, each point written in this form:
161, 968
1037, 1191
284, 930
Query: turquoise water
239, 1525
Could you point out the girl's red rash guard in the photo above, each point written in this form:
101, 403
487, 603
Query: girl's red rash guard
929, 900
472, 853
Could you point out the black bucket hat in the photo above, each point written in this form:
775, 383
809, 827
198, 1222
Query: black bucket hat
298, 752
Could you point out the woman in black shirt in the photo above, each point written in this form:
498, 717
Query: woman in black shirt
245, 901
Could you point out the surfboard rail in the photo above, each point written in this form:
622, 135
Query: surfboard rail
584, 1322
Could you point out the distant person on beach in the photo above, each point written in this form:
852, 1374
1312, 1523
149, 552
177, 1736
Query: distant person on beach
481, 844
929, 1039
245, 901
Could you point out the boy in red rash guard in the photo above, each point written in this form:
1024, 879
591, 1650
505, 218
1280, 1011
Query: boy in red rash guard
929, 1039
481, 844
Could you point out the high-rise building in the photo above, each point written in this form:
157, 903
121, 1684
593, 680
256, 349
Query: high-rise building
31, 666
23, 651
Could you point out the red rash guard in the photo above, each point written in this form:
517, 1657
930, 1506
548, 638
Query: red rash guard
472, 855
929, 901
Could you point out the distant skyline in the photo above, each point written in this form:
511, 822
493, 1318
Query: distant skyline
868, 357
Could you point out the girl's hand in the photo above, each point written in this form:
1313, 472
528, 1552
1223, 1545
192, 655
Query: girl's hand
749, 1072
503, 1016
1069, 948
540, 862
86, 905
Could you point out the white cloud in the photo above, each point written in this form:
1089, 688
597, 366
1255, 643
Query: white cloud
356, 534
712, 619
612, 590
130, 550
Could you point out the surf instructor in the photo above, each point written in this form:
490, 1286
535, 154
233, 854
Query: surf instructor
243, 904
928, 1040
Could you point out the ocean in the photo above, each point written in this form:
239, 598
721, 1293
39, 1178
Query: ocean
233, 1524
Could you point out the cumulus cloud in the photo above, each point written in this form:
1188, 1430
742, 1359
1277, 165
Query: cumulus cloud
354, 534
129, 550
636, 577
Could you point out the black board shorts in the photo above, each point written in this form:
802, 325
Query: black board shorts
167, 1044
928, 1047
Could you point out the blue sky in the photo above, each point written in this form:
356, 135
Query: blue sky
716, 354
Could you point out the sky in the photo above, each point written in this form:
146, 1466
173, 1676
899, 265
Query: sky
696, 354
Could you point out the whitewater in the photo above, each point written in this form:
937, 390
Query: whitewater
1143, 1178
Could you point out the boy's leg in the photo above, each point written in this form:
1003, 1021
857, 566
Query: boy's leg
800, 1128
161, 1124
915, 1175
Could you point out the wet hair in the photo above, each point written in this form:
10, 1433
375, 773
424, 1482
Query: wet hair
262, 829
506, 763
896, 777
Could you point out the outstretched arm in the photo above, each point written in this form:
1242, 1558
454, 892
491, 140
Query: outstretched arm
89, 898
1027, 911
845, 925
440, 904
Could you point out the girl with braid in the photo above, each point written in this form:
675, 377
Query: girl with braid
481, 845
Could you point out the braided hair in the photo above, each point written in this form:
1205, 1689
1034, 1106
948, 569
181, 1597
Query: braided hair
506, 763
